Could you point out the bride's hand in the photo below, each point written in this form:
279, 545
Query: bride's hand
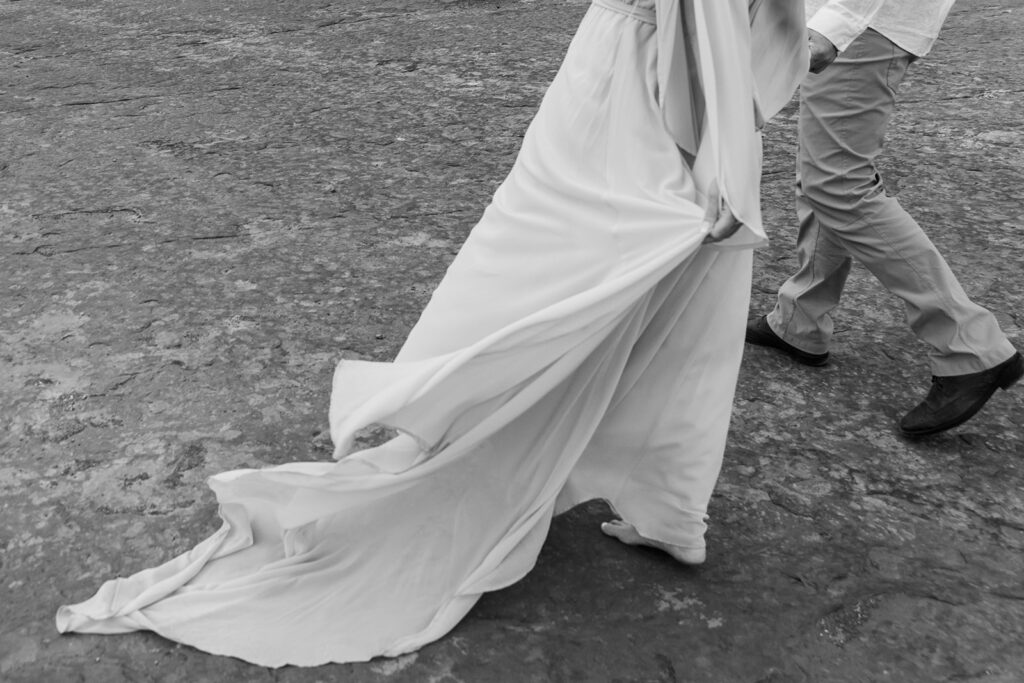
724, 226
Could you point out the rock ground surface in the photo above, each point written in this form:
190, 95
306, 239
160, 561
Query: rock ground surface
204, 206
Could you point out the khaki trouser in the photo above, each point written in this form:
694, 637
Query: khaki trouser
844, 212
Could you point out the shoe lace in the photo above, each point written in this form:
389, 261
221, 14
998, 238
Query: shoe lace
940, 387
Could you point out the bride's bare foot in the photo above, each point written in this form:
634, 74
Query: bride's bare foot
628, 534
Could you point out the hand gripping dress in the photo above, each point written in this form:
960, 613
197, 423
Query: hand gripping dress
584, 344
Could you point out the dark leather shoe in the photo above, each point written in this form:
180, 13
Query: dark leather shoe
955, 399
760, 334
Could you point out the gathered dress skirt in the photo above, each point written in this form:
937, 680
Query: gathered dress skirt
583, 344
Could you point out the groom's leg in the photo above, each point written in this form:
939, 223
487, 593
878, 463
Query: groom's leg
801, 316
844, 115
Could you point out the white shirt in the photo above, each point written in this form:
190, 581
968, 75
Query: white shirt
912, 24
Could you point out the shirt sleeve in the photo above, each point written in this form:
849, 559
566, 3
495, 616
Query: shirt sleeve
841, 21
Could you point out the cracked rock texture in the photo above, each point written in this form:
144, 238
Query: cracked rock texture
204, 206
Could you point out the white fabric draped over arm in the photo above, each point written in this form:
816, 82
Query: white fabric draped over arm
748, 56
778, 51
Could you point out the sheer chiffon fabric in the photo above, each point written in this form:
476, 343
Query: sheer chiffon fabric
583, 344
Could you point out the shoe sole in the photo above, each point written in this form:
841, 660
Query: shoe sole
1010, 376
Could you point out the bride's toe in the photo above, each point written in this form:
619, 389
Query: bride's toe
622, 531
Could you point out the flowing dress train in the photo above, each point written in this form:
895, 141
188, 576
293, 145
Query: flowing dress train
583, 344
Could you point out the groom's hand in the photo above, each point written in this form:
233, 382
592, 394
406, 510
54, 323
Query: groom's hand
823, 52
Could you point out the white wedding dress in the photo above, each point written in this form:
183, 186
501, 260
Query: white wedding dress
583, 344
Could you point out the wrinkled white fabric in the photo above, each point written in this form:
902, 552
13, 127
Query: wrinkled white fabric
583, 344
914, 25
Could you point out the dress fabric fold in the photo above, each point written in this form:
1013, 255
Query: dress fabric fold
583, 344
